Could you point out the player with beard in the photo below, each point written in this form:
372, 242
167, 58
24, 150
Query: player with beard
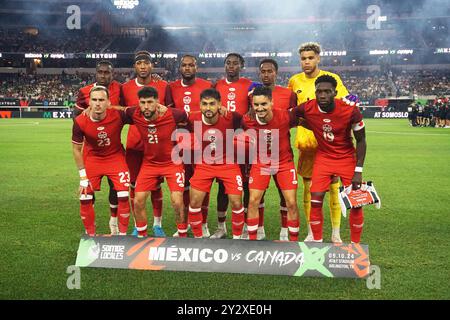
233, 90
283, 99
104, 72
184, 94
143, 68
303, 85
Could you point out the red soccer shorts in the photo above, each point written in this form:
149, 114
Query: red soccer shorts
285, 176
150, 177
134, 162
324, 169
115, 168
229, 174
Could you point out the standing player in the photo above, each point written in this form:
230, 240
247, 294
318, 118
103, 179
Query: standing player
283, 99
156, 126
332, 121
104, 77
214, 163
98, 152
135, 145
272, 128
303, 85
234, 95
184, 94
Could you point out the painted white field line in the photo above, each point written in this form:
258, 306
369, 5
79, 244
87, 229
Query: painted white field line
19, 124
410, 134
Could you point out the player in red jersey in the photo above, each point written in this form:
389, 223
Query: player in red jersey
98, 152
283, 99
135, 146
184, 94
332, 122
234, 95
103, 77
156, 125
212, 129
271, 129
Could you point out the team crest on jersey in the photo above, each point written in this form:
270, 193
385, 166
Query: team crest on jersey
231, 96
187, 100
327, 128
102, 135
326, 120
151, 129
100, 128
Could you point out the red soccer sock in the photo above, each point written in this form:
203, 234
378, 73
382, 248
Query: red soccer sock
182, 230
141, 227
261, 214
87, 214
195, 220
237, 221
294, 227
205, 206
356, 221
283, 215
252, 228
316, 218
123, 211
157, 201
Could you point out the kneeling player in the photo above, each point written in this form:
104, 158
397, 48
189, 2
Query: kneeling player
215, 163
98, 152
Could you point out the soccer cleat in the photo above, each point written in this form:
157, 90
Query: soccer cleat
205, 230
261, 234
284, 234
335, 236
219, 234
113, 226
135, 232
309, 237
158, 232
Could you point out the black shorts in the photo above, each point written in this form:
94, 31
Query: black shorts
447, 116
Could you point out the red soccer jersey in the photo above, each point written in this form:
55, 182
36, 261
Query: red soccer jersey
83, 95
157, 134
214, 137
234, 95
283, 98
332, 130
101, 138
129, 98
187, 98
271, 138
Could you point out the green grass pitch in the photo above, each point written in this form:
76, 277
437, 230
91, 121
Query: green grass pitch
40, 225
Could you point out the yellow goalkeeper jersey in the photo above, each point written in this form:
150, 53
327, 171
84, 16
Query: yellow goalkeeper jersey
305, 90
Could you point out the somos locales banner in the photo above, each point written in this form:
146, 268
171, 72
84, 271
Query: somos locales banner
225, 255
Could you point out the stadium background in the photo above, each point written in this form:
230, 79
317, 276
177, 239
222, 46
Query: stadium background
389, 59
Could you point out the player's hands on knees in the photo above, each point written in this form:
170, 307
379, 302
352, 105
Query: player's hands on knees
351, 100
85, 184
357, 181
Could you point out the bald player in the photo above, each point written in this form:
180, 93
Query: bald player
303, 85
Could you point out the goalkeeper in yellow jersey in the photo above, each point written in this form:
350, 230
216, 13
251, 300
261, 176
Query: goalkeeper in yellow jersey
303, 85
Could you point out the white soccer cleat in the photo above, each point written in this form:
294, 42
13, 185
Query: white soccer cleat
205, 231
244, 235
309, 237
219, 234
335, 236
113, 226
284, 234
261, 234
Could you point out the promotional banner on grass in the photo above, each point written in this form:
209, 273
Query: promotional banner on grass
225, 255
